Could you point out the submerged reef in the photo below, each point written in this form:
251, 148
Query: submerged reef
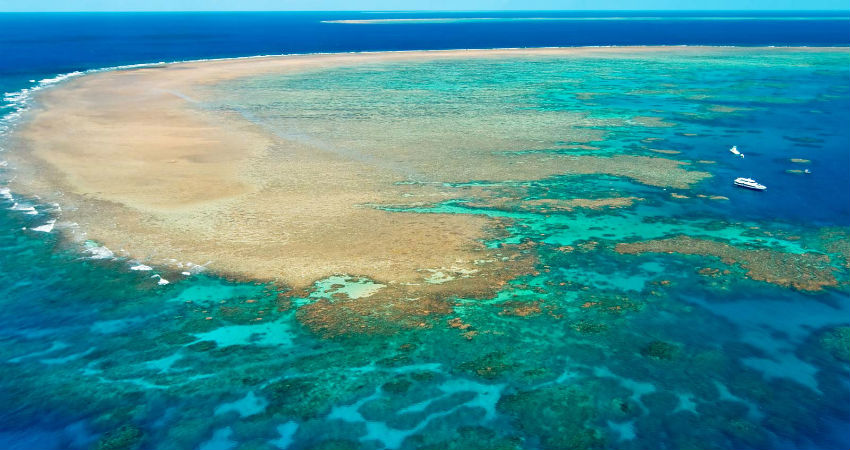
837, 342
398, 306
561, 416
659, 350
805, 271
554, 205
127, 437
836, 240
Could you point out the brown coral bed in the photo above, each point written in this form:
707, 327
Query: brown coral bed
806, 272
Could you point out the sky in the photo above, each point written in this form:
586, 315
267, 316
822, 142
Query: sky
399, 5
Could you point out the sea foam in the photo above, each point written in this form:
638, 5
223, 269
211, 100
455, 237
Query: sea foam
99, 252
26, 209
47, 227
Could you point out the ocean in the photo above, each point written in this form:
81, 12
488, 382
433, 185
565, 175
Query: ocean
708, 317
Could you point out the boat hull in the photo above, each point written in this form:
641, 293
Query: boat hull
754, 188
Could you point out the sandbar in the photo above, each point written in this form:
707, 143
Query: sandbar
136, 160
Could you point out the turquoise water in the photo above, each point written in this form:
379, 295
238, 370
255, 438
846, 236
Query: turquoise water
597, 349
776, 107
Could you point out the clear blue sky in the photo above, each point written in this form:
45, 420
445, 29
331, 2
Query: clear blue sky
445, 5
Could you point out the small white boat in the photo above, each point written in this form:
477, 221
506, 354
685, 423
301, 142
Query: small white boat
735, 151
749, 183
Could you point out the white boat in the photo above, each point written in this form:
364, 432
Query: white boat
749, 183
735, 151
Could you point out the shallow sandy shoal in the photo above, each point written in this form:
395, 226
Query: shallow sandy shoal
140, 167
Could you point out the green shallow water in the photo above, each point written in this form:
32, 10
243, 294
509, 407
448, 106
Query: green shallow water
596, 349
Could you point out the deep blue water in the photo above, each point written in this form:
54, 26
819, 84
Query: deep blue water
101, 317
34, 46
37, 44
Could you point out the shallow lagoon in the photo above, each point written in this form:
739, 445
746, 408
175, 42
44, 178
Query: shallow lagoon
595, 349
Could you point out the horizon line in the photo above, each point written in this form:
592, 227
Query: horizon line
846, 11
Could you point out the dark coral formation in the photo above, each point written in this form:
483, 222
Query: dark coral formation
306, 397
128, 437
659, 350
837, 342
547, 206
397, 307
560, 416
521, 309
588, 327
609, 302
489, 366
381, 313
805, 272
474, 438
837, 241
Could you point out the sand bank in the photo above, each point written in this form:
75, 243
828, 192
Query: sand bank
140, 163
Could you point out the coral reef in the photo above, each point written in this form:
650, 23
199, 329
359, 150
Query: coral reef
520, 309
128, 437
491, 311
406, 306
805, 272
489, 366
474, 438
546, 206
659, 350
837, 342
309, 397
588, 327
836, 240
559, 416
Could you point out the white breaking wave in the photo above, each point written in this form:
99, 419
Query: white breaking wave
100, 252
59, 78
18, 100
26, 209
47, 227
